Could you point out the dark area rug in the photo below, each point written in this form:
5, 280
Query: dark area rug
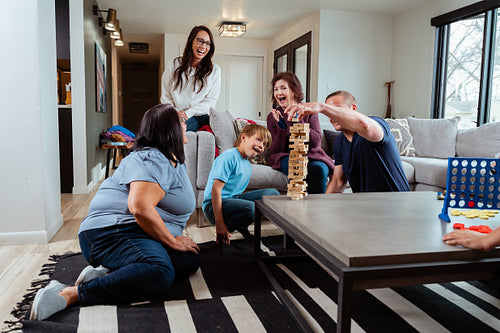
241, 299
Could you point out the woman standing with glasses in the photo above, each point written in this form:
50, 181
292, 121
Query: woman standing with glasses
192, 82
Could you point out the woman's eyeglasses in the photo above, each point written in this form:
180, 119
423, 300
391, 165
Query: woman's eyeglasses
201, 41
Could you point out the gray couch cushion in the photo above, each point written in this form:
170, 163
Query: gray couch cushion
264, 176
330, 136
482, 141
401, 132
409, 171
431, 171
221, 123
191, 157
206, 153
434, 137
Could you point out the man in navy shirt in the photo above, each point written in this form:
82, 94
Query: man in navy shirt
365, 153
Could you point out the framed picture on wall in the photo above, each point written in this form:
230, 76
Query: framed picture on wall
100, 79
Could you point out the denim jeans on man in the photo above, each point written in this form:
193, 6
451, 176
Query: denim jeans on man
239, 211
141, 267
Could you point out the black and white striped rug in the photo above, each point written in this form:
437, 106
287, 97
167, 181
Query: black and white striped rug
230, 294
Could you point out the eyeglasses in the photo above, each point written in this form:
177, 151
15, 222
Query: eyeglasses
201, 41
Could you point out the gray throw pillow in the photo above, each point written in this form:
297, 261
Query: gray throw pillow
221, 123
482, 141
401, 132
434, 137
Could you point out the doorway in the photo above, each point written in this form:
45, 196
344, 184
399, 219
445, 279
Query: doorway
140, 91
243, 98
296, 57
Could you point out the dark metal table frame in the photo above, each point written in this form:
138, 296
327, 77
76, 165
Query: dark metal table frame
360, 278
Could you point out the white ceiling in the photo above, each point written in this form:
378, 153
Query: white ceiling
264, 18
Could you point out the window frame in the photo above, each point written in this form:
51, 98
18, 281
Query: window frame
441, 47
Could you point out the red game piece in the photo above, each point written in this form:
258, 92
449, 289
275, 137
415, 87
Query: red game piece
458, 226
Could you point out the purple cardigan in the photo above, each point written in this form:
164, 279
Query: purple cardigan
280, 136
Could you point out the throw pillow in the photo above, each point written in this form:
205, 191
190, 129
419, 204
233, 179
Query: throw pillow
221, 123
434, 137
482, 141
330, 137
239, 123
401, 132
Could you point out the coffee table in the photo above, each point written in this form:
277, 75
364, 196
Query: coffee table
374, 240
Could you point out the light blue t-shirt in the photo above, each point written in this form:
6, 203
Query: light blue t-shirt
231, 168
110, 204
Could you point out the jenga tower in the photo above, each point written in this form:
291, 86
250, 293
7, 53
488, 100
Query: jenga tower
297, 163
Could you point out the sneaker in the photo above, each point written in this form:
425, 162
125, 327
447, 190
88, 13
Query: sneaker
245, 233
89, 273
48, 301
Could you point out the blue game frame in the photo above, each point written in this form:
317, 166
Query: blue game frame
472, 183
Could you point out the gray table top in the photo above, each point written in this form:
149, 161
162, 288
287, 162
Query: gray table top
364, 229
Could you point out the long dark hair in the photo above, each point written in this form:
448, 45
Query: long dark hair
161, 128
293, 84
203, 69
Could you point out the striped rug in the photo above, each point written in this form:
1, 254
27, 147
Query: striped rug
230, 294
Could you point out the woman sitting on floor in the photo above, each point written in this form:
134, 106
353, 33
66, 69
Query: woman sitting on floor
132, 235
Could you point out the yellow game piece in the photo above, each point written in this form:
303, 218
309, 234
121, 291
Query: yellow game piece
484, 217
455, 212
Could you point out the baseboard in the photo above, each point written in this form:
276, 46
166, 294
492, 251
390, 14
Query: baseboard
98, 174
24, 237
54, 228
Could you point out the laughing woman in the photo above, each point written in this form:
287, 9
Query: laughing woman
286, 90
132, 235
192, 82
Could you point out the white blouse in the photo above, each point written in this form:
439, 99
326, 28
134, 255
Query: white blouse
191, 101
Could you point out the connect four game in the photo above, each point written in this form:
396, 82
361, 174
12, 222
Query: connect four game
471, 183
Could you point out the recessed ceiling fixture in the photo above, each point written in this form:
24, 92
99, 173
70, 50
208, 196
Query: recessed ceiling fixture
232, 29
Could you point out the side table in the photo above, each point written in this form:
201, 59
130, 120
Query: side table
111, 147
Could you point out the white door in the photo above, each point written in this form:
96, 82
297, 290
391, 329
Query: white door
241, 86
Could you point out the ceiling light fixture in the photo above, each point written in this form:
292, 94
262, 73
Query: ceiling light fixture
117, 34
232, 29
119, 42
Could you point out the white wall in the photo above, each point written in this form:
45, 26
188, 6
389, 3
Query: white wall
30, 192
413, 57
355, 56
77, 51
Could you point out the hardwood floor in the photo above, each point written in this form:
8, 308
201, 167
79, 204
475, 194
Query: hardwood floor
21, 264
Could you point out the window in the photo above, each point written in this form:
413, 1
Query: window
467, 65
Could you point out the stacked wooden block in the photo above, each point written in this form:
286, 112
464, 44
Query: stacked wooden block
297, 163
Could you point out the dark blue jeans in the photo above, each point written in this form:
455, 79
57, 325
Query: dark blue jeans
317, 175
141, 268
196, 122
239, 211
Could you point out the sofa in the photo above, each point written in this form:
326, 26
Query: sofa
424, 146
